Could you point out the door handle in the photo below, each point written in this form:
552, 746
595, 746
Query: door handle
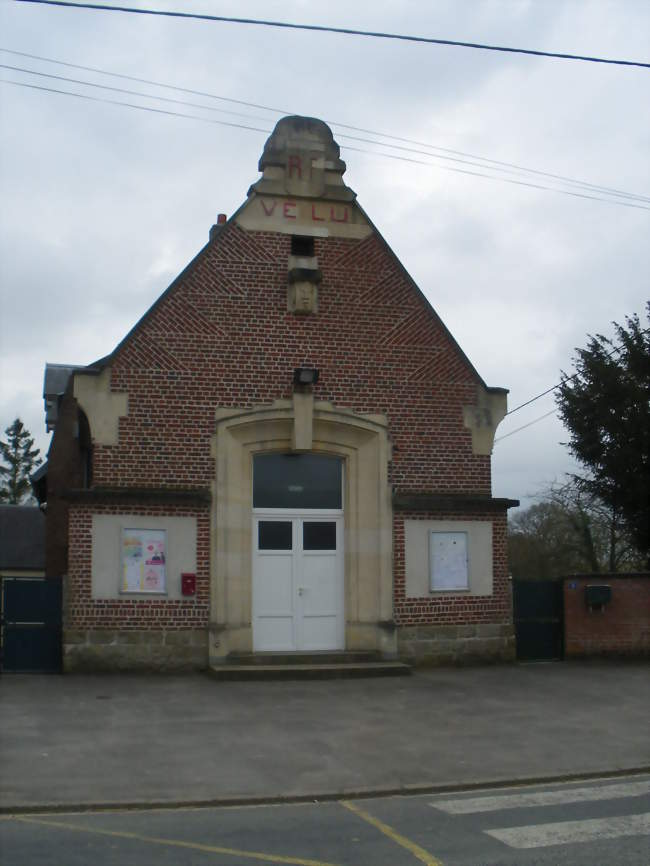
301, 590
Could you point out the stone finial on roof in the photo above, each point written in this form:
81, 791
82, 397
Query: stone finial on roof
302, 159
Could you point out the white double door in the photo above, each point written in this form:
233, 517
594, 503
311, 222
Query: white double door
298, 594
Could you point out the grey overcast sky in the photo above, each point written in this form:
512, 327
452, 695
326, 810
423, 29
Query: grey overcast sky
102, 205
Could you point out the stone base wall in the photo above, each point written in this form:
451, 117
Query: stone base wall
431, 645
133, 650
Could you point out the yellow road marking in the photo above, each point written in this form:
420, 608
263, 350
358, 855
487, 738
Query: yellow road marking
177, 843
416, 850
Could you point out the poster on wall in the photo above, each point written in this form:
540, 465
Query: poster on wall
143, 560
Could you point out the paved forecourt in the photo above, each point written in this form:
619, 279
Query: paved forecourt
577, 824
82, 741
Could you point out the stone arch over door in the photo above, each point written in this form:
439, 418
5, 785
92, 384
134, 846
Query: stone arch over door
362, 441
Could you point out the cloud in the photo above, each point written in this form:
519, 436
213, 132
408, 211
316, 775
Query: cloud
104, 205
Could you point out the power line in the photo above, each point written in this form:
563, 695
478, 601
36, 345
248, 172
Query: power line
348, 147
355, 149
538, 397
565, 380
497, 167
132, 105
530, 424
501, 179
252, 117
348, 31
147, 81
492, 163
128, 92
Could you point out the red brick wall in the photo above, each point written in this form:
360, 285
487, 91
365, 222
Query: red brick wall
222, 336
84, 612
453, 609
621, 628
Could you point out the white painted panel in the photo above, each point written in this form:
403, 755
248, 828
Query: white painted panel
273, 585
319, 580
320, 633
274, 634
567, 832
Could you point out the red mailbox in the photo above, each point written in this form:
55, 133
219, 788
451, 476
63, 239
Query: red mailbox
188, 584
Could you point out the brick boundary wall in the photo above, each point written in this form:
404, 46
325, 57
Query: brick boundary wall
621, 628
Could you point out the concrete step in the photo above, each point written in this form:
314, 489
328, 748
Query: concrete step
308, 671
327, 657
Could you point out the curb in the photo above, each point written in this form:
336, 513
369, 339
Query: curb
320, 797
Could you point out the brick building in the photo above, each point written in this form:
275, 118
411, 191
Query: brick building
288, 452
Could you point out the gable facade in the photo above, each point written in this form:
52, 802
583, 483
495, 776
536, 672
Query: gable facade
179, 415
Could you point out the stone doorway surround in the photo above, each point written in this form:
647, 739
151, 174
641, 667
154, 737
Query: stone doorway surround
300, 424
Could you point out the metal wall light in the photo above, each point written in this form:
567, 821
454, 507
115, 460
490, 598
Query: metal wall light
305, 376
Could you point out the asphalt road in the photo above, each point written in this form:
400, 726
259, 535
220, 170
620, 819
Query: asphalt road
569, 824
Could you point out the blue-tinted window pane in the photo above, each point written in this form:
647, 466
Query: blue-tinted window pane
319, 535
296, 481
274, 535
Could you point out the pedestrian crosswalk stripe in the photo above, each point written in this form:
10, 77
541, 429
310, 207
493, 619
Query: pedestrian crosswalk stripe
566, 832
557, 797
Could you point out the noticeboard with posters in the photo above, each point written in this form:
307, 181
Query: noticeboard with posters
144, 554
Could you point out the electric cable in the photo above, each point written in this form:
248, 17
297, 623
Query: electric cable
129, 92
347, 31
491, 162
530, 424
253, 117
501, 179
566, 379
350, 148
132, 105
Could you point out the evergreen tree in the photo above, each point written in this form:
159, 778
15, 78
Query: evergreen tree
606, 407
20, 458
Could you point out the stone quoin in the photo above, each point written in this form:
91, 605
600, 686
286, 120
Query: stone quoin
288, 452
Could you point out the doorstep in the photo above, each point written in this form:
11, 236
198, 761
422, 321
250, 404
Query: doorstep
306, 666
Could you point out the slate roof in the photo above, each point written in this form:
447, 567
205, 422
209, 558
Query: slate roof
22, 537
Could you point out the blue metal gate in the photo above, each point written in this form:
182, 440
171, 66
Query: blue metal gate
31, 624
539, 619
